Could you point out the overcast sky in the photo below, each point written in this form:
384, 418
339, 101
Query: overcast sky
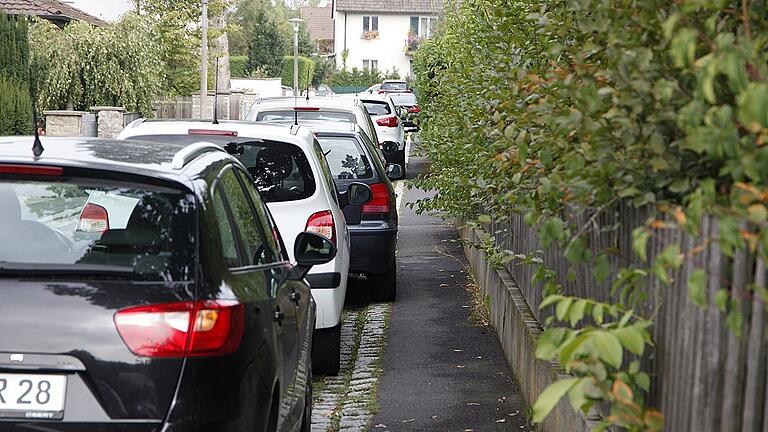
108, 10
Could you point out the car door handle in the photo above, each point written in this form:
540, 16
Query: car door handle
279, 316
295, 297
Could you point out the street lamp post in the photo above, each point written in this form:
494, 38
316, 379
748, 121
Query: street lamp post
204, 60
296, 22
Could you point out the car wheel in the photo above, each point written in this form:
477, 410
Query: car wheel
401, 161
326, 351
306, 419
385, 285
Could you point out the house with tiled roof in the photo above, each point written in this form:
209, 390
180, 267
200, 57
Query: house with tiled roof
319, 26
382, 34
55, 11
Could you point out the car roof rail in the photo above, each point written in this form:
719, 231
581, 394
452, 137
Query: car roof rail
191, 152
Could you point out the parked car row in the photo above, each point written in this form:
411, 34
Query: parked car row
190, 275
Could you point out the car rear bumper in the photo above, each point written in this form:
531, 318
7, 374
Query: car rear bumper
373, 251
328, 293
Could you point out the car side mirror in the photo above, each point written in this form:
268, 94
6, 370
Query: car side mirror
309, 250
357, 194
389, 147
394, 171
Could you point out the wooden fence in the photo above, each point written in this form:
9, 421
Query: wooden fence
704, 377
174, 108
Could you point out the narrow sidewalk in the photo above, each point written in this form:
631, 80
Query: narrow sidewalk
441, 372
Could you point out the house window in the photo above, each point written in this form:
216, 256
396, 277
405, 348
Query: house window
370, 23
370, 64
423, 26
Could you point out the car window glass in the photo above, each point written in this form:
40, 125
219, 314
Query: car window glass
404, 99
324, 168
371, 128
346, 158
226, 233
394, 86
142, 232
283, 115
261, 217
280, 170
245, 219
377, 108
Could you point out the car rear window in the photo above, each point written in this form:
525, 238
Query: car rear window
394, 86
377, 108
88, 226
346, 158
283, 115
404, 99
281, 171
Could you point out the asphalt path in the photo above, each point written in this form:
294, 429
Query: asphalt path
441, 371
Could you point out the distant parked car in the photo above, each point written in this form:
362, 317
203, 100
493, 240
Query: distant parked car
293, 178
408, 109
186, 316
393, 86
373, 89
372, 227
324, 90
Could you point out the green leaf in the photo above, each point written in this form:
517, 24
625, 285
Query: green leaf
561, 311
753, 106
721, 299
548, 343
643, 381
551, 299
577, 251
602, 268
597, 314
631, 338
550, 397
483, 218
552, 230
697, 288
608, 348
577, 312
640, 236
576, 395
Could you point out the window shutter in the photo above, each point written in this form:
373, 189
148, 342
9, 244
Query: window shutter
415, 25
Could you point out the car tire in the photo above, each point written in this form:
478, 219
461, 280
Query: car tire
326, 351
385, 285
400, 160
306, 417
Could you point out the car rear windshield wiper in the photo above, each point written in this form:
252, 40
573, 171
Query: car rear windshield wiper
34, 269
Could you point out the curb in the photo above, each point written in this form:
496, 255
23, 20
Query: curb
517, 329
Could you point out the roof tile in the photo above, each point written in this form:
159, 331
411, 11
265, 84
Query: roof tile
390, 6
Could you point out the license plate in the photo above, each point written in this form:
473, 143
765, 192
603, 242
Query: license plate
32, 396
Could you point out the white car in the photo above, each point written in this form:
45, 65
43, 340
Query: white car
334, 109
293, 178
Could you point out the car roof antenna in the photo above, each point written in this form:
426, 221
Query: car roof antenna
308, 80
37, 145
216, 95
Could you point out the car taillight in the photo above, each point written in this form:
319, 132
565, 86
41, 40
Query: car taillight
387, 121
414, 109
322, 223
380, 200
31, 170
168, 330
382, 91
94, 219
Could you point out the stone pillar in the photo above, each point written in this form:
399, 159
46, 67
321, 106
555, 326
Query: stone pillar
234, 104
109, 121
207, 108
246, 102
64, 123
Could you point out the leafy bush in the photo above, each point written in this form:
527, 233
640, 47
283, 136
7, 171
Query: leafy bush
15, 103
118, 64
360, 77
324, 68
15, 106
267, 44
589, 103
237, 66
306, 71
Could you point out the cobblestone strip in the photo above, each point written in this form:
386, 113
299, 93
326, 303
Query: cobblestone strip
333, 388
360, 402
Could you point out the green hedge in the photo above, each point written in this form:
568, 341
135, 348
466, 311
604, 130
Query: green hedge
15, 106
306, 71
237, 66
359, 77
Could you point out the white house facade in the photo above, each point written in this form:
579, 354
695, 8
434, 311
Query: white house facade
381, 34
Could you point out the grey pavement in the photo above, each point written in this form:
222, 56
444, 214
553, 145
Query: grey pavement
440, 372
